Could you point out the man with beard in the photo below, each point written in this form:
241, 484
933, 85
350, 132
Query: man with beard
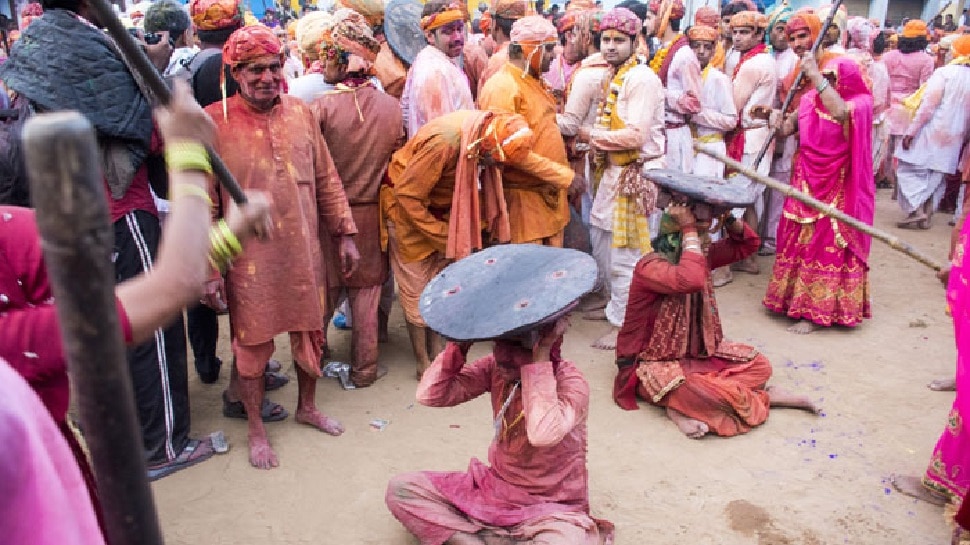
291, 162
537, 200
680, 74
346, 114
435, 84
802, 29
755, 79
627, 137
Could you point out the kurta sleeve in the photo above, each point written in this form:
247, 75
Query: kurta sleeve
745, 83
413, 190
332, 202
499, 98
546, 170
721, 115
734, 247
685, 67
661, 276
449, 382
932, 98
642, 98
584, 92
551, 408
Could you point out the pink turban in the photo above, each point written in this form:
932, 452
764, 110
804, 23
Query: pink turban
533, 30
621, 20
861, 33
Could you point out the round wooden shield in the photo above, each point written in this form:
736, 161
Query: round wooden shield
731, 193
505, 290
402, 28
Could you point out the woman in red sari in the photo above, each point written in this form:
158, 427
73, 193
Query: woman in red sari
821, 274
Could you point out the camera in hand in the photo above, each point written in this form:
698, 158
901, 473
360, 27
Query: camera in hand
153, 38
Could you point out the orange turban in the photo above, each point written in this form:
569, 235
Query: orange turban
702, 33
507, 138
215, 14
707, 16
961, 46
804, 21
511, 9
915, 29
751, 19
250, 43
486, 23
449, 14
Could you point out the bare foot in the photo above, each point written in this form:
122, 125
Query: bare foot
608, 340
261, 454
913, 486
598, 315
721, 276
782, 398
802, 327
695, 429
912, 221
315, 418
593, 302
943, 385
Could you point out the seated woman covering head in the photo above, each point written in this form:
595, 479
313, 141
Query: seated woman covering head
671, 350
534, 488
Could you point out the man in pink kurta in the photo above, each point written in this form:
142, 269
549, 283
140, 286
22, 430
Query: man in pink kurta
534, 489
272, 143
348, 115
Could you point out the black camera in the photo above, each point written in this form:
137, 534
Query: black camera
152, 38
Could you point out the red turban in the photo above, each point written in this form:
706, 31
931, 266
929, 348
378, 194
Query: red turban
215, 14
250, 43
804, 21
677, 9
708, 16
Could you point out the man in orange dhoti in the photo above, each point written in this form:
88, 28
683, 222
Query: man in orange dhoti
271, 143
347, 115
537, 204
433, 215
671, 350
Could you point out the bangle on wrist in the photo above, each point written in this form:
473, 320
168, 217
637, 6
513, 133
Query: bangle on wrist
822, 86
189, 190
224, 246
187, 155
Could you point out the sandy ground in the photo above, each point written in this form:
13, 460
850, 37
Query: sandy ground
798, 479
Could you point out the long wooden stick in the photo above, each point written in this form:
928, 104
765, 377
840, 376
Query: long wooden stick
72, 216
894, 242
138, 61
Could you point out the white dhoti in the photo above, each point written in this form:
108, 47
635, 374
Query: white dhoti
680, 149
616, 265
918, 185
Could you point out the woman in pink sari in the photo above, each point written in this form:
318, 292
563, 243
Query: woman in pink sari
946, 479
821, 275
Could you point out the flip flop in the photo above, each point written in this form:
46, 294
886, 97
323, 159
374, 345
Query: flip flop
269, 411
274, 381
274, 366
196, 451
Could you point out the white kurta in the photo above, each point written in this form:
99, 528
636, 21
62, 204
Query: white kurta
683, 76
640, 104
435, 86
717, 117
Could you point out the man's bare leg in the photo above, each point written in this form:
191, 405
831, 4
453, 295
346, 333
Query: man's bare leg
594, 301
306, 409
913, 486
608, 340
595, 315
802, 327
695, 429
778, 397
261, 454
436, 344
461, 538
419, 345
943, 385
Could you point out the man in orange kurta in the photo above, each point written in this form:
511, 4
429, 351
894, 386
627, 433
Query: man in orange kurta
537, 204
271, 143
348, 115
432, 211
504, 14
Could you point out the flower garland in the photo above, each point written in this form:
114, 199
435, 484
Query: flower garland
658, 59
607, 107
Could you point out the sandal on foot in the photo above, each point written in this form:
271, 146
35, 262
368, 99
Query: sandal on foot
274, 380
269, 412
274, 366
196, 451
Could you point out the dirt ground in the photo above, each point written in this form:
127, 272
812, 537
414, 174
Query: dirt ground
798, 479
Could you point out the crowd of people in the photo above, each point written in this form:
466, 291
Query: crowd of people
372, 165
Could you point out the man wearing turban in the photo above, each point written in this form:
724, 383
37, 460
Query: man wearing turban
309, 34
355, 115
627, 136
389, 69
755, 77
214, 21
272, 143
834, 39
909, 67
433, 205
436, 85
504, 14
680, 74
536, 194
930, 148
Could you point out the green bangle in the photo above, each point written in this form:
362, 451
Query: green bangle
187, 155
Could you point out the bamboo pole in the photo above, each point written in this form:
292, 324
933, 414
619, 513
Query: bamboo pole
72, 217
893, 241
